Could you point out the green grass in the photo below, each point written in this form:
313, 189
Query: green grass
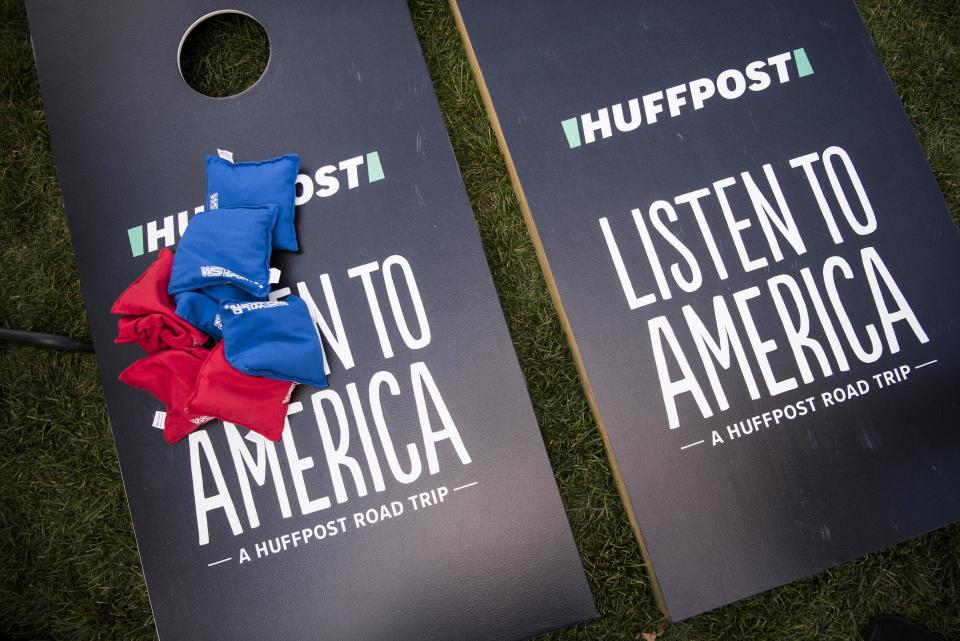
68, 561
224, 54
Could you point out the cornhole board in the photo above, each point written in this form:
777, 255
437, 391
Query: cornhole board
453, 532
777, 390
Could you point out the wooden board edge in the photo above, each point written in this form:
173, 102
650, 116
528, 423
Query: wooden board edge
558, 304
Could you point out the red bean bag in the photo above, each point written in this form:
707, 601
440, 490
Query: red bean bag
254, 402
149, 313
170, 376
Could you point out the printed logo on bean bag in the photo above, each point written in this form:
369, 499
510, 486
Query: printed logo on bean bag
226, 246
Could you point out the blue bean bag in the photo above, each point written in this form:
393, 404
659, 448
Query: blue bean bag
273, 339
201, 308
248, 184
226, 246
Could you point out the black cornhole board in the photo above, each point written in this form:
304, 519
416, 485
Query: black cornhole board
770, 504
345, 87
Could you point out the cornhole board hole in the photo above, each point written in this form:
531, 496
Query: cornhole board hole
456, 530
755, 268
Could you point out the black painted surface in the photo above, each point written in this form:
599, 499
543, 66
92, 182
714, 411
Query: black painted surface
495, 559
725, 522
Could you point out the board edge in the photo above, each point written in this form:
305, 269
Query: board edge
558, 305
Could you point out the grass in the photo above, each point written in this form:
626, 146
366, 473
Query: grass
68, 561
224, 54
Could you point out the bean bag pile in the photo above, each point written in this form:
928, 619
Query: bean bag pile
217, 346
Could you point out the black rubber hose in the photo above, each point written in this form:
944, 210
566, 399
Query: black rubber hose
47, 341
